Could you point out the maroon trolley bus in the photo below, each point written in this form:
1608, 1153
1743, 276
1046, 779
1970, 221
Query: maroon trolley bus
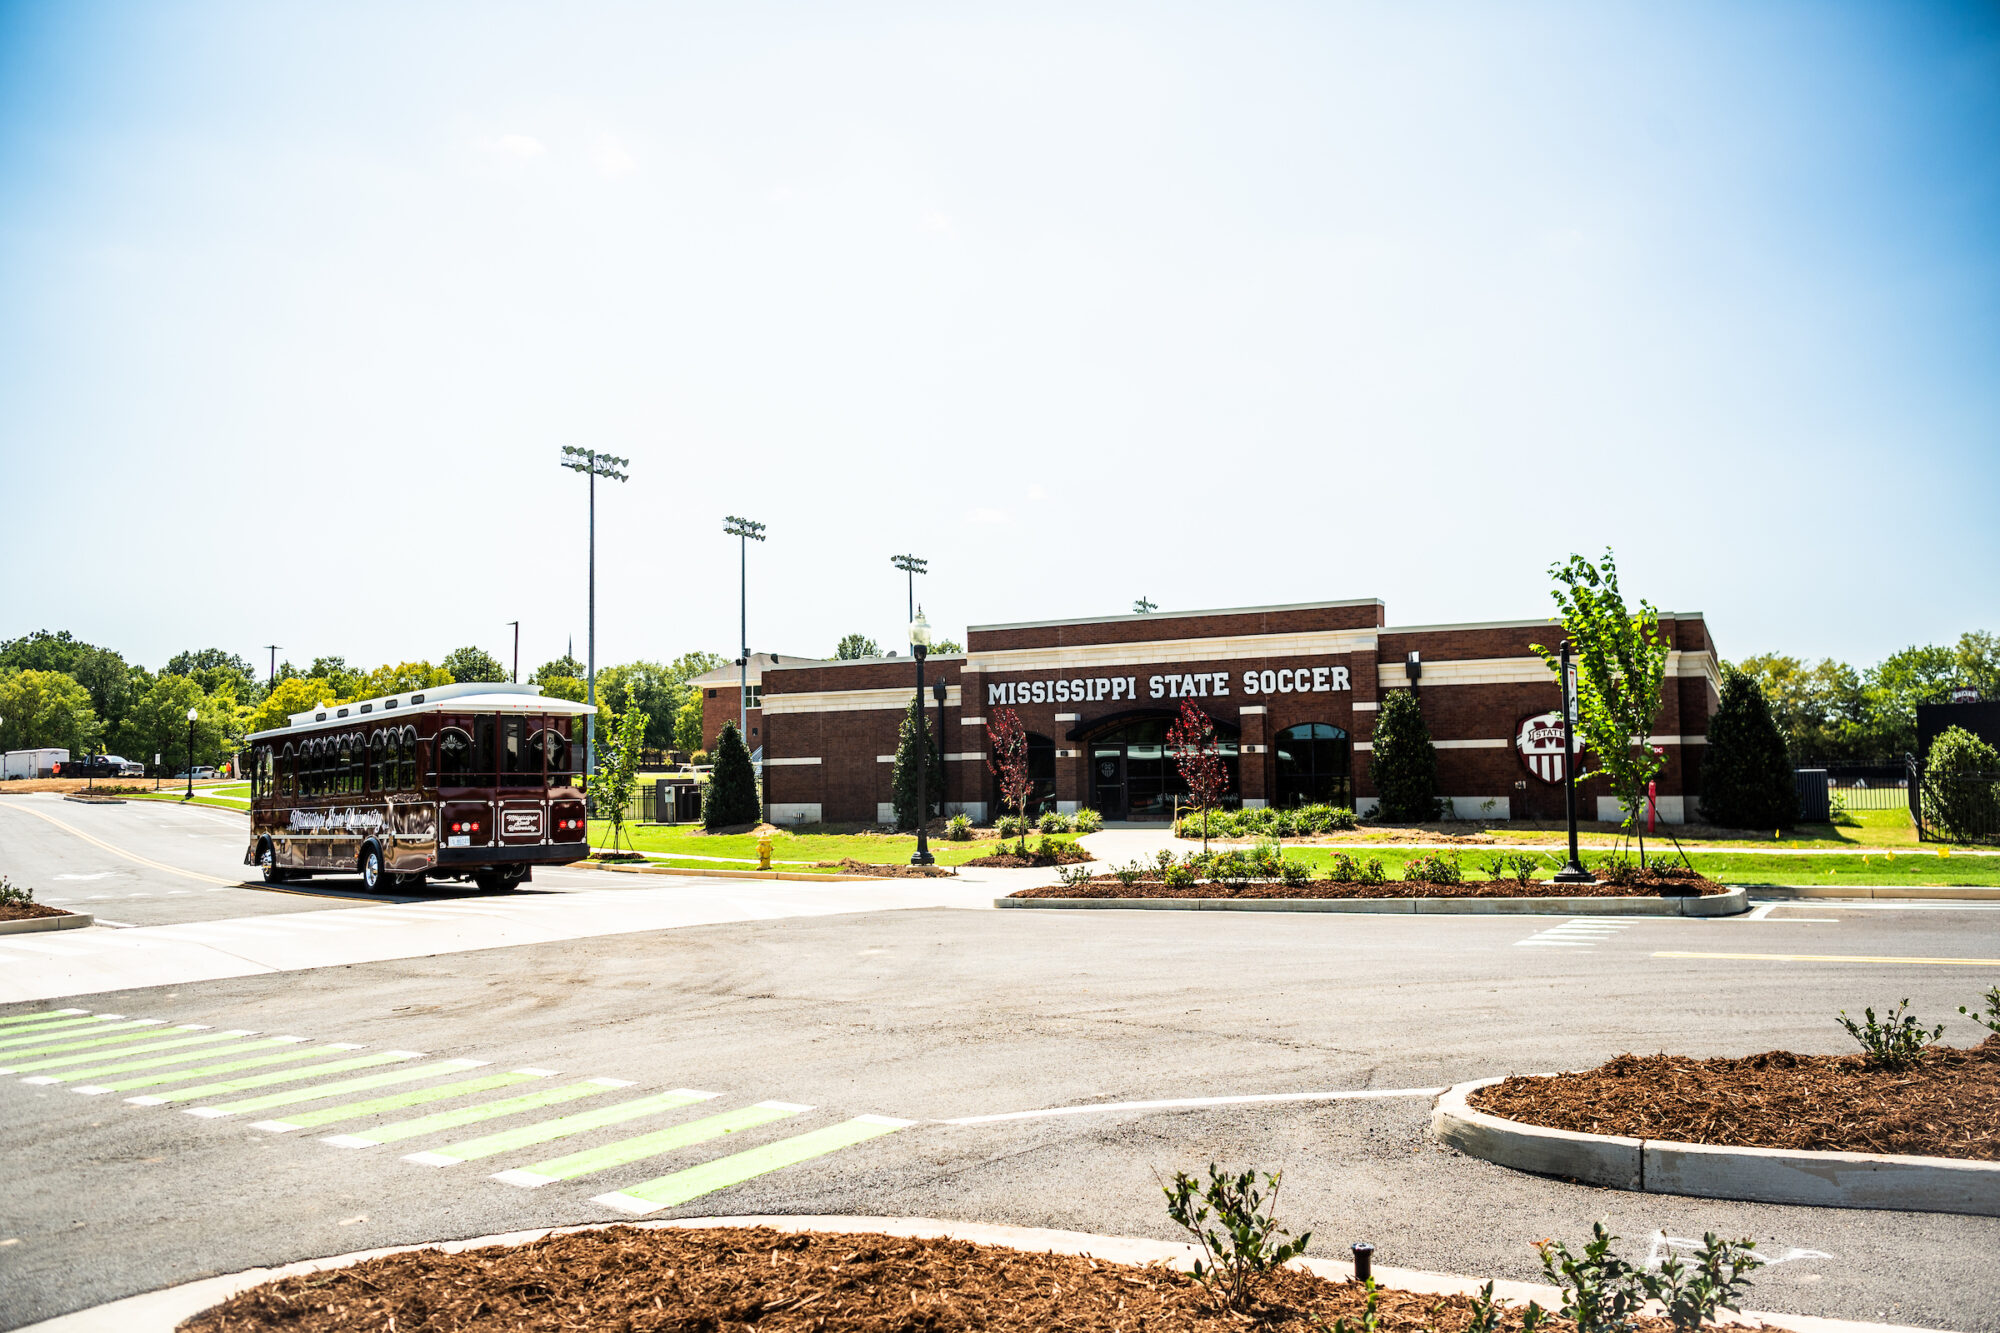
474, 781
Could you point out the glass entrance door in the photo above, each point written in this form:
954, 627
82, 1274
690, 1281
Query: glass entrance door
1107, 777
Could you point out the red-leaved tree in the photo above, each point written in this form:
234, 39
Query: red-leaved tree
1007, 744
1192, 739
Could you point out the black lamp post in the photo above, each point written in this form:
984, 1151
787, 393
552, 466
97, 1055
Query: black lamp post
1573, 873
938, 693
192, 715
920, 647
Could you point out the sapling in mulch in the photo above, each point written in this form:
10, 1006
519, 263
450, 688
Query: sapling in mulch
1991, 1018
13, 895
1248, 1242
1897, 1042
1517, 866
1691, 1297
1371, 1322
1600, 1291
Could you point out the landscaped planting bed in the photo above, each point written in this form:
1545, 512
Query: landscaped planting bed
28, 911
1104, 886
716, 1279
1944, 1104
1044, 853
1264, 872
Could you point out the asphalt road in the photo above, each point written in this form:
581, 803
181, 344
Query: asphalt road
939, 1015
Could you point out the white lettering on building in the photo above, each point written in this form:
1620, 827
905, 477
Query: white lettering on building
1296, 680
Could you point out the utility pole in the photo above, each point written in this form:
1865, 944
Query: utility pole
273, 680
517, 651
593, 465
912, 566
748, 532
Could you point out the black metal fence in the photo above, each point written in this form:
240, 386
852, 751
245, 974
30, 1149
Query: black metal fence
1862, 786
1960, 808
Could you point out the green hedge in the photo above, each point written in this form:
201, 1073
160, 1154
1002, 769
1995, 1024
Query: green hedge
1302, 822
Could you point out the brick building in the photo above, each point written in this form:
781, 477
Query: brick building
720, 688
1293, 691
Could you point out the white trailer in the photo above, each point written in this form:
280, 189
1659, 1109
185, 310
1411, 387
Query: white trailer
32, 763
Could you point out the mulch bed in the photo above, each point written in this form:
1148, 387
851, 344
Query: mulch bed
1948, 1105
726, 1280
1067, 854
1104, 886
29, 911
890, 870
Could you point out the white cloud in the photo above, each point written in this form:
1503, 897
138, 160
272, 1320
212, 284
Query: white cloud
515, 145
611, 159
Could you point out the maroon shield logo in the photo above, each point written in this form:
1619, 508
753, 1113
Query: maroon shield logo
1539, 742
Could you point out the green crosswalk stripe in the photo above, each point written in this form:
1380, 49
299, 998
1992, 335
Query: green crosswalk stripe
58, 1061
343, 1087
297, 1049
67, 1026
282, 1076
40, 1017
559, 1128
289, 1054
72, 1040
592, 1160
397, 1101
471, 1115
678, 1188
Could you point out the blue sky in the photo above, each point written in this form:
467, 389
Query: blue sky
1219, 305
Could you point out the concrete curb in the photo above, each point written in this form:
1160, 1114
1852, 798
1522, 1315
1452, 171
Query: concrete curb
1973, 892
29, 925
161, 1311
1718, 904
1715, 1171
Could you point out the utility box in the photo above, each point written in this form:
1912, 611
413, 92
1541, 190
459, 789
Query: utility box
1815, 805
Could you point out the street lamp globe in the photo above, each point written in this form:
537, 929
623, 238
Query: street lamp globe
920, 631
194, 715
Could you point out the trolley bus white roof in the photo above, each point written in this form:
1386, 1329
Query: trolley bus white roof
471, 697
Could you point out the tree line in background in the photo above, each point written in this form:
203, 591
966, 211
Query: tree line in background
58, 691
1830, 711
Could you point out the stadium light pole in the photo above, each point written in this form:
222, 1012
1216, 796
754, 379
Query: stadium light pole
593, 465
272, 679
746, 532
911, 566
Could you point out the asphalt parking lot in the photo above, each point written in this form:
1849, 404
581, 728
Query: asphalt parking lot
946, 1062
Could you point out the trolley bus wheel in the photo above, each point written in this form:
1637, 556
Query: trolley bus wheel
267, 861
501, 877
371, 867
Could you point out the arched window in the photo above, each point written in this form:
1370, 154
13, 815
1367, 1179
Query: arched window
406, 774
310, 755
1315, 766
376, 747
549, 748
455, 766
287, 772
352, 756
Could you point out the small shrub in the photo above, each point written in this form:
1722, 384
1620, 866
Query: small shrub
1010, 826
1178, 876
1087, 821
1600, 1291
1371, 1321
1435, 868
1266, 859
1961, 793
1048, 847
13, 895
1517, 866
1692, 1297
1295, 874
1487, 1311
1076, 874
1247, 1244
1053, 822
1162, 859
959, 829
1232, 867
1347, 870
1129, 875
1615, 869
1895, 1043
1990, 1019
699, 758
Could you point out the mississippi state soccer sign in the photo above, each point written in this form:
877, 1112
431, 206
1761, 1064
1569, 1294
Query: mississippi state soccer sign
1539, 742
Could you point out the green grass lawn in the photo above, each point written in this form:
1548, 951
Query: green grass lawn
1913, 868
873, 848
680, 863
227, 796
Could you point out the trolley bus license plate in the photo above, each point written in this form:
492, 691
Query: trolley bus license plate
458, 840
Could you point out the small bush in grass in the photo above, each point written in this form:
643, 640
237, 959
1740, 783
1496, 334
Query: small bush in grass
1897, 1042
1010, 826
1347, 870
13, 895
1053, 821
959, 829
1436, 868
1991, 1018
1266, 859
1087, 821
1046, 846
698, 759
1248, 1242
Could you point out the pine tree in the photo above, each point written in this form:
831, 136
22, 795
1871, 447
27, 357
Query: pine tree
732, 785
1746, 771
903, 784
1402, 761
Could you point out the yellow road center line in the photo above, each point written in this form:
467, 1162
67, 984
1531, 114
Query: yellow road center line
1834, 958
129, 856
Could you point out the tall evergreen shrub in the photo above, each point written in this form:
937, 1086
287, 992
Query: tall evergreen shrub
903, 783
1962, 787
1402, 761
1746, 768
731, 797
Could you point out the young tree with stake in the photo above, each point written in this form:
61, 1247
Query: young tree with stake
1007, 742
1193, 742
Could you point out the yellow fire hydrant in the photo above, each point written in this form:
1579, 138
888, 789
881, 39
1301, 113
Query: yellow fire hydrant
764, 852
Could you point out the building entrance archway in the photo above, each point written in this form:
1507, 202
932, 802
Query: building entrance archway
1132, 773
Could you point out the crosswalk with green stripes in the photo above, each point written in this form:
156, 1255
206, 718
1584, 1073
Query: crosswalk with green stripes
530, 1131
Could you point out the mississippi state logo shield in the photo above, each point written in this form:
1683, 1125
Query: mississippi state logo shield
1539, 742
